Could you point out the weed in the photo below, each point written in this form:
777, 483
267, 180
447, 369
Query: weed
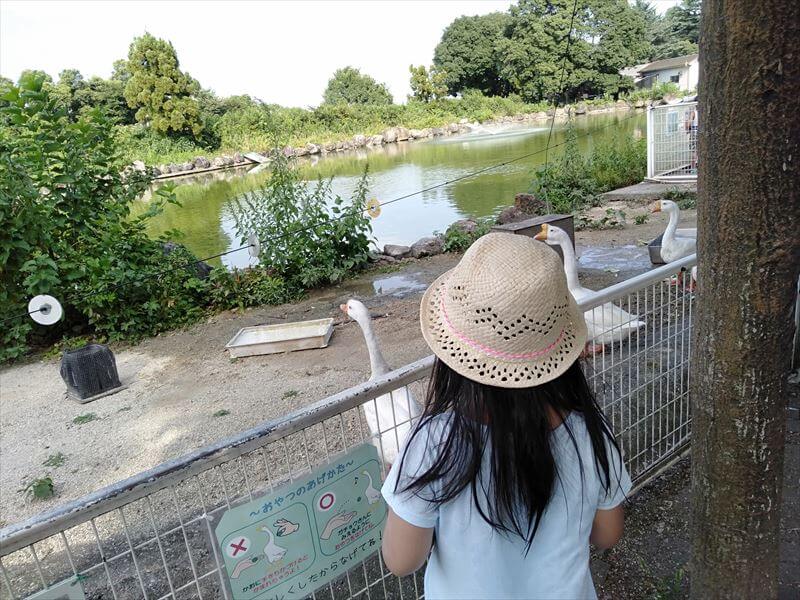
221, 413
685, 199
125, 408
383, 269
83, 419
289, 394
641, 219
40, 489
613, 219
54, 460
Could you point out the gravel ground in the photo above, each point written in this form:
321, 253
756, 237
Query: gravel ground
177, 382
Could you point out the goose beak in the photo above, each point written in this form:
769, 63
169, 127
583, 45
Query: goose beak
343, 308
655, 206
542, 235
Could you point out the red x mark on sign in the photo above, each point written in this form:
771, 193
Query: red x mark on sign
239, 546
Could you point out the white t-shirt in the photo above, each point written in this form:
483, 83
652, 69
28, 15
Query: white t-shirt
471, 560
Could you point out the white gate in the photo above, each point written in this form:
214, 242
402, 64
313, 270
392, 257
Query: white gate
672, 142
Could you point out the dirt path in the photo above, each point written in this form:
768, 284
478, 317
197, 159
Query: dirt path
177, 382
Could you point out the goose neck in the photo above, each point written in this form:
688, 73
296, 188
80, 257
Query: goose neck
672, 226
377, 363
570, 265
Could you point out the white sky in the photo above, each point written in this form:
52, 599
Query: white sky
278, 51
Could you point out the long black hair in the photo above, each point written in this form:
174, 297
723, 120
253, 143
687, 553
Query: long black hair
516, 424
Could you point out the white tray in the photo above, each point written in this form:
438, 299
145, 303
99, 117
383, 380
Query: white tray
284, 337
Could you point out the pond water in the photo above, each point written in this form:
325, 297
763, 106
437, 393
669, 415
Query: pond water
206, 221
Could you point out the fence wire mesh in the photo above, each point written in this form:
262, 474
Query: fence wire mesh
672, 141
151, 536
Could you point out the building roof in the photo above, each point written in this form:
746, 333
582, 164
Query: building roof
668, 63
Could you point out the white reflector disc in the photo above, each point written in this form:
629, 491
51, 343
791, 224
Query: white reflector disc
45, 309
255, 245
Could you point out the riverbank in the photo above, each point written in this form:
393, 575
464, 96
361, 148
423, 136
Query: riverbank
377, 136
184, 392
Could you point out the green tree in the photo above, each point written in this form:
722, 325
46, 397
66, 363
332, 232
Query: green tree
350, 86
162, 94
679, 31
606, 36
467, 54
427, 85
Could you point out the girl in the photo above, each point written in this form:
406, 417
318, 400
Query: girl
512, 469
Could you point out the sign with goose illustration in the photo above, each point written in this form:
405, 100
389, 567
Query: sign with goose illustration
296, 538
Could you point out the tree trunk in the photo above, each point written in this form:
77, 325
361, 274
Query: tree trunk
749, 257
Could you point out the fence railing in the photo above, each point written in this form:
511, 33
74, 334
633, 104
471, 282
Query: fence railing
672, 142
151, 536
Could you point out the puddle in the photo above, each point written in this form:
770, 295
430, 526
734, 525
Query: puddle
397, 285
619, 259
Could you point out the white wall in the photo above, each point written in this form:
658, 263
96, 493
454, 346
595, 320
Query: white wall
687, 76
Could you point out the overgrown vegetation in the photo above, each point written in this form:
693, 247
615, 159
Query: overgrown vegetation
572, 180
85, 418
66, 230
315, 237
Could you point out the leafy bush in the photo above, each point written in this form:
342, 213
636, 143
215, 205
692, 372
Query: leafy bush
305, 247
456, 239
136, 142
67, 231
243, 288
571, 181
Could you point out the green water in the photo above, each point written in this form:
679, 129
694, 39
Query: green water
205, 218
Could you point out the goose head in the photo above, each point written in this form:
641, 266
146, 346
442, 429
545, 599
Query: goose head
356, 311
663, 205
553, 235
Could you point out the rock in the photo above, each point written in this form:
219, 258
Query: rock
312, 148
165, 169
390, 135
238, 158
580, 109
403, 134
453, 128
229, 162
639, 104
201, 162
530, 204
463, 121
420, 133
359, 141
300, 151
218, 161
201, 269
347, 145
510, 214
385, 260
375, 140
427, 246
155, 171
328, 147
138, 165
464, 226
187, 166
437, 131
288, 151
396, 251
339, 146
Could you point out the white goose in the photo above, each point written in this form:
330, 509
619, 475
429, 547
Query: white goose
675, 243
398, 406
606, 324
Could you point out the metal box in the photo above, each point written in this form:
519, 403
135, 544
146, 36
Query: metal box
530, 227
654, 247
284, 337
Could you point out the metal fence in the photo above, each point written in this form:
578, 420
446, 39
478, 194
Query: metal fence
672, 142
150, 536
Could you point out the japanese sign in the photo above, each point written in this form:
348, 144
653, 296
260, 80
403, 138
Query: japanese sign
297, 538
69, 589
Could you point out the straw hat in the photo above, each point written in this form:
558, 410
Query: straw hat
504, 316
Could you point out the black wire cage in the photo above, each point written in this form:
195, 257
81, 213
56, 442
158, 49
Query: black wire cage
90, 372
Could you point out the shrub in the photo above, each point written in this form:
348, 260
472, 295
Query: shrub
458, 240
303, 245
67, 231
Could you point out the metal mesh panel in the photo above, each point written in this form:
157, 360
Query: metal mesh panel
150, 536
672, 141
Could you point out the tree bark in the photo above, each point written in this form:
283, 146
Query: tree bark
749, 257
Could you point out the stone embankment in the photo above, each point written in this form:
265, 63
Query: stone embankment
390, 135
